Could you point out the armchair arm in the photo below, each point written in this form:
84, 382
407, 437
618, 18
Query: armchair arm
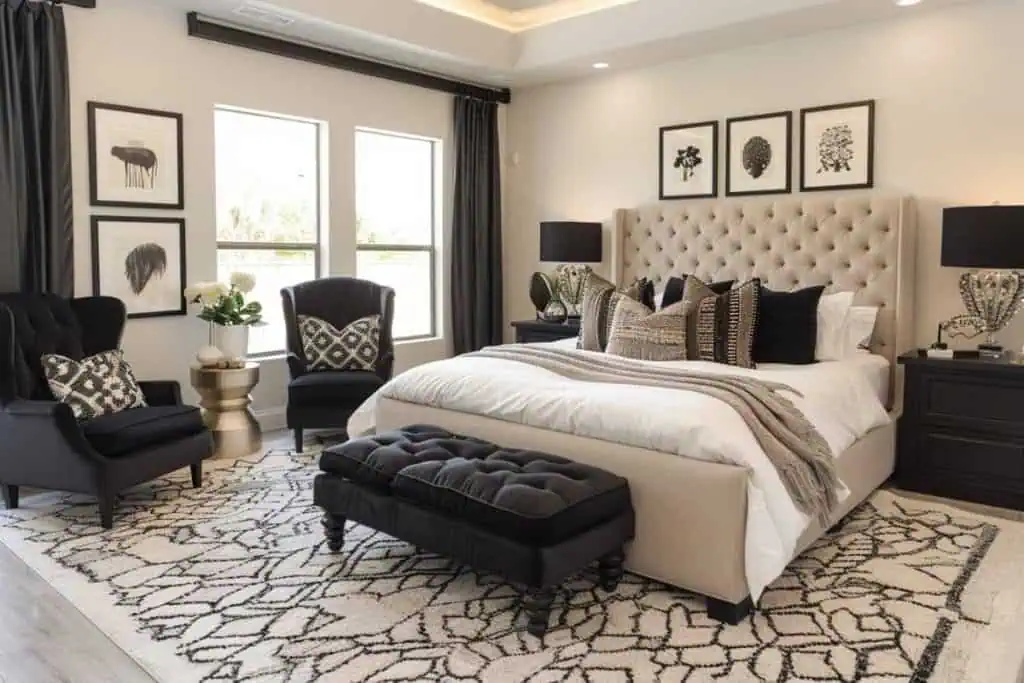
296, 366
44, 446
161, 393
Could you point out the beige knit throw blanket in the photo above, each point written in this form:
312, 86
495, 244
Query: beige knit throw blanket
798, 452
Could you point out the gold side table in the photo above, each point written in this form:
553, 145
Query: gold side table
224, 397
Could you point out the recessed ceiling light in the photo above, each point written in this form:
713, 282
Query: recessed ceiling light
601, 65
907, 3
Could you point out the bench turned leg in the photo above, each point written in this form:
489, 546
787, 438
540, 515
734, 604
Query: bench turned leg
334, 530
537, 604
609, 569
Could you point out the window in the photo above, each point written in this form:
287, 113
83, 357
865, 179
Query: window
396, 220
268, 209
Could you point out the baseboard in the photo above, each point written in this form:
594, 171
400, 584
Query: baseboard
272, 419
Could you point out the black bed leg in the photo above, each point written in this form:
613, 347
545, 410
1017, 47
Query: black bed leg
298, 439
108, 501
609, 570
10, 496
729, 612
334, 530
537, 604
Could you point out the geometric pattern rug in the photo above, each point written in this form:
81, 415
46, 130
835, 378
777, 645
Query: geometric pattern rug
233, 582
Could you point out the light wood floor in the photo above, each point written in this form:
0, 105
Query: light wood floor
45, 639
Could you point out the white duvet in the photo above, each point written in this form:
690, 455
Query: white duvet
842, 399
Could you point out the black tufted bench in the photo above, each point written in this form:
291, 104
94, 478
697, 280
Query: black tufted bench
534, 518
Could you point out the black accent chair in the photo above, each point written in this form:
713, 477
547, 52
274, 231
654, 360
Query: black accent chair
42, 445
325, 399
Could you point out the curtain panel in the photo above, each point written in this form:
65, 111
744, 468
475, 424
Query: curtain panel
36, 218
476, 270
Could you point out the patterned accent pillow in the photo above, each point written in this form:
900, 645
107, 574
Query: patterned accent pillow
103, 384
327, 348
639, 333
721, 327
599, 300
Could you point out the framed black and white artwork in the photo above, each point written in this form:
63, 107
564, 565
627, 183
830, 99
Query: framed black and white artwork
688, 161
135, 157
759, 154
837, 147
141, 261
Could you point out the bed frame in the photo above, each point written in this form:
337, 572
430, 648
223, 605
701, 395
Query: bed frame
691, 514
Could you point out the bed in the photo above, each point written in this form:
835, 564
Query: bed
692, 514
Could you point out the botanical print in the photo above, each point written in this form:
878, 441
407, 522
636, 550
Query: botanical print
688, 161
758, 154
837, 150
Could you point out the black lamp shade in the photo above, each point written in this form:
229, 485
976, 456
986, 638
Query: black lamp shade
983, 237
570, 242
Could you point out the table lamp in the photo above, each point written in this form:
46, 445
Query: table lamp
990, 241
571, 244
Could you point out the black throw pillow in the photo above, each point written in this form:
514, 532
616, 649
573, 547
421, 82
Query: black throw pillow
675, 287
787, 331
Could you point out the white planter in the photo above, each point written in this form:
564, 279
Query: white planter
233, 341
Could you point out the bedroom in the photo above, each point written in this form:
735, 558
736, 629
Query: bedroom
577, 148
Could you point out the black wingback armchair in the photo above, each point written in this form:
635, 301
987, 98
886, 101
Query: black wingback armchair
325, 399
42, 445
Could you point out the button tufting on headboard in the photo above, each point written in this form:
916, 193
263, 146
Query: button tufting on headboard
860, 243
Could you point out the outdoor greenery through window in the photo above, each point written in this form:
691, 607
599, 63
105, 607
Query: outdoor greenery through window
268, 209
396, 218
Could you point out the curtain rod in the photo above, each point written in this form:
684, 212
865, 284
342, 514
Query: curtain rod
200, 27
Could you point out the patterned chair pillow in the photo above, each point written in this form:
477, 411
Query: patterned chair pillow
327, 348
599, 300
637, 332
103, 384
721, 327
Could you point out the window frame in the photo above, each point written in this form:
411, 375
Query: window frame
431, 249
316, 246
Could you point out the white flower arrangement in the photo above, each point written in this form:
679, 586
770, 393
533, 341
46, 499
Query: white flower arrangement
225, 304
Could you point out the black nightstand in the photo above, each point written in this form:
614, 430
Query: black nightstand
530, 331
962, 430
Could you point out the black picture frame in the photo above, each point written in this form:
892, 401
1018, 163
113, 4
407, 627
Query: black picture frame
786, 118
95, 191
665, 166
868, 148
101, 268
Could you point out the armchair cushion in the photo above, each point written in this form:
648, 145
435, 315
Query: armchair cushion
333, 387
355, 347
98, 385
132, 430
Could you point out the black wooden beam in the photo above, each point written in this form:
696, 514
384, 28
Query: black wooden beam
199, 27
88, 4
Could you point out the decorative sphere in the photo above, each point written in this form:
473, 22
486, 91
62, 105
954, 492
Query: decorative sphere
209, 356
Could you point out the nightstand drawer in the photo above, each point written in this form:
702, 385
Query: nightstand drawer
980, 403
973, 456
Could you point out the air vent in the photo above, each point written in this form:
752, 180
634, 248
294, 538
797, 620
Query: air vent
267, 17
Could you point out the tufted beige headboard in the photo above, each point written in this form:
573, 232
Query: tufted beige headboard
861, 243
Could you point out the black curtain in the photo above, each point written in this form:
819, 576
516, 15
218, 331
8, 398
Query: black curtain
36, 224
476, 280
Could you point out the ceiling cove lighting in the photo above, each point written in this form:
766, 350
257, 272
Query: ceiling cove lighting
601, 65
908, 3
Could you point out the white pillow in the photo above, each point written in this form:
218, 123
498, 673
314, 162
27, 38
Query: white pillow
833, 310
659, 296
860, 326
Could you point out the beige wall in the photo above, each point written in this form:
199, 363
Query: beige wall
132, 53
950, 128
